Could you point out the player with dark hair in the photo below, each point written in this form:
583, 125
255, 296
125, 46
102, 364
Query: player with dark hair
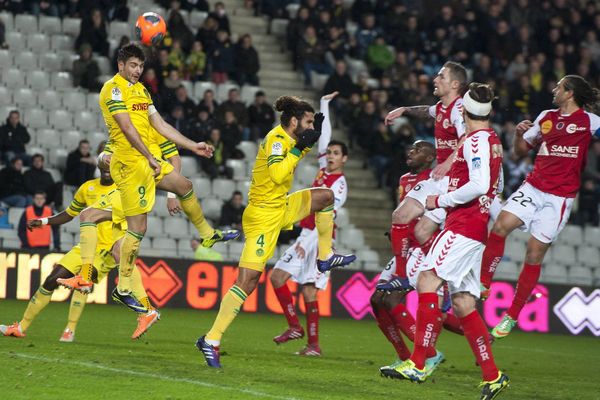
449, 85
271, 209
543, 203
455, 257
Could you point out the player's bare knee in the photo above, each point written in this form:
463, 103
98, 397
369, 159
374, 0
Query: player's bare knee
278, 278
309, 292
186, 186
392, 300
422, 233
377, 301
463, 304
534, 254
403, 214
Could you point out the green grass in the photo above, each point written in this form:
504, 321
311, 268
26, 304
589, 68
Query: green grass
104, 363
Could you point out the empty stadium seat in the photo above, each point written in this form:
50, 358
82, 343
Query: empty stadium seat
553, 273
580, 276
60, 119
71, 26
160, 207
184, 250
571, 234
25, 97
248, 94
189, 86
92, 101
306, 173
202, 187
61, 81
74, 100
49, 25
47, 136
67, 197
515, 250
31, 150
279, 27
58, 158
342, 217
597, 276
85, 121
177, 228
13, 78
15, 41
68, 58
223, 90
5, 97
70, 139
36, 118
61, 42
189, 165
197, 19
104, 64
49, 99
155, 227
212, 207
26, 61
169, 245
38, 42
369, 259
117, 29
66, 240
56, 175
223, 188
95, 138
38, 80
591, 235
507, 270
201, 87
244, 186
14, 215
563, 254
238, 167
50, 62
249, 148
6, 59
235, 250
8, 20
351, 237
588, 256
26, 23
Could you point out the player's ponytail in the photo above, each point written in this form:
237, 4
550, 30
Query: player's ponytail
583, 93
292, 106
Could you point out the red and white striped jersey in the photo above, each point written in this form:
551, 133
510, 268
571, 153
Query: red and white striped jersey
449, 127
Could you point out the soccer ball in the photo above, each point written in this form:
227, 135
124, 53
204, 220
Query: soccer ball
150, 29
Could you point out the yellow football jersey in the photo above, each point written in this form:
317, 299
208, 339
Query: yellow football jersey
119, 96
273, 172
160, 146
87, 194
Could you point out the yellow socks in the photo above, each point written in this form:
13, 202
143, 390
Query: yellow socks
76, 309
37, 303
191, 208
129, 251
324, 223
88, 241
138, 290
230, 307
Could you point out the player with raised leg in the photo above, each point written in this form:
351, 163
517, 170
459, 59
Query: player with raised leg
299, 262
271, 209
449, 85
543, 203
455, 257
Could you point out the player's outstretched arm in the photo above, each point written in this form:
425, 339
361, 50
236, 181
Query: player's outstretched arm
421, 112
164, 128
325, 137
57, 219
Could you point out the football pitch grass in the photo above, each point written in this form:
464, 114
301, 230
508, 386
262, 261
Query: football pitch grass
104, 363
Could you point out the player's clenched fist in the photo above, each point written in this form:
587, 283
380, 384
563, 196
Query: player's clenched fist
34, 223
392, 115
523, 126
154, 165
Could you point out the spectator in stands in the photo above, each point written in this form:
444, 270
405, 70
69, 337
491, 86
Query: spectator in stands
380, 150
3, 44
366, 34
80, 165
340, 81
231, 212
163, 67
311, 55
179, 30
202, 253
37, 179
261, 116
247, 63
177, 119
4, 224
231, 132
337, 45
200, 126
223, 58
177, 56
379, 57
207, 34
195, 63
208, 101
234, 104
13, 138
589, 199
38, 238
197, 5
215, 166
170, 84
93, 31
124, 41
182, 99
295, 30
44, 7
12, 189
366, 125
323, 23
151, 82
85, 70
220, 15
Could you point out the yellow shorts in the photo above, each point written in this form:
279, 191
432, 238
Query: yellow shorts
112, 202
136, 183
262, 226
103, 262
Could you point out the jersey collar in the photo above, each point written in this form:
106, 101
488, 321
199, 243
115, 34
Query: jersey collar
122, 81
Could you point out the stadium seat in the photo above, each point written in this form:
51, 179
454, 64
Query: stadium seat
580, 276
160, 207
104, 65
212, 208
238, 167
279, 27
70, 139
67, 60
292, 10
319, 80
571, 234
25, 97
223, 188
519, 236
591, 235
342, 217
49, 25
92, 101
49, 99
553, 273
155, 227
38, 42
9, 233
38, 80
5, 97
248, 94
201, 87
61, 81
26, 23
85, 121
14, 215
189, 165
15, 41
61, 42
168, 245
249, 148
58, 158
597, 276
60, 120
177, 228
184, 249
244, 187
72, 226
117, 29
95, 138
47, 136
4, 110
223, 90
507, 270
67, 197
563, 254
55, 174
71, 26
235, 250
189, 86
26, 61
74, 101
8, 20
306, 173
588, 256
202, 187
50, 62
36, 118
13, 78
515, 251
352, 238
6, 59
197, 19
66, 240
355, 67
31, 150
146, 245
369, 260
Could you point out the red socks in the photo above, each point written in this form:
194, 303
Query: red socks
287, 304
527, 280
399, 235
387, 326
478, 338
429, 324
494, 250
312, 322
452, 323
404, 321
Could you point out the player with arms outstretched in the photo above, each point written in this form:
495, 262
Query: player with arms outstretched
449, 85
455, 257
543, 203
299, 262
271, 209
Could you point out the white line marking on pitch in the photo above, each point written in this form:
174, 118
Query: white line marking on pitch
149, 375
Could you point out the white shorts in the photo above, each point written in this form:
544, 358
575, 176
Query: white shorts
544, 215
416, 259
457, 260
303, 270
430, 187
495, 208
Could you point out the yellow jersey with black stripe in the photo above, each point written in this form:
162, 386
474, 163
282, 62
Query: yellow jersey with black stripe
160, 146
87, 194
273, 172
120, 96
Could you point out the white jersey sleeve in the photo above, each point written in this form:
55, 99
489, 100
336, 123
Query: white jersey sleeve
340, 192
479, 173
594, 124
456, 118
325, 137
432, 110
533, 135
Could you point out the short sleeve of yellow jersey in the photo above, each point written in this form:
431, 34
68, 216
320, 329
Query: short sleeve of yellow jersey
167, 148
78, 204
111, 99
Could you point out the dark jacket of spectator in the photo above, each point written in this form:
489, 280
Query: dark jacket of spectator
190, 5
183, 100
223, 56
261, 116
247, 63
93, 31
80, 165
180, 31
37, 179
339, 81
86, 70
231, 212
201, 126
221, 17
13, 135
235, 105
13, 182
207, 34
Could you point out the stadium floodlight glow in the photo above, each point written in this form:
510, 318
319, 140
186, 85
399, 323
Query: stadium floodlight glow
578, 311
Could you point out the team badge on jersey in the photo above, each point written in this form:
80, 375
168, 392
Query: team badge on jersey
260, 252
277, 149
546, 126
116, 94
